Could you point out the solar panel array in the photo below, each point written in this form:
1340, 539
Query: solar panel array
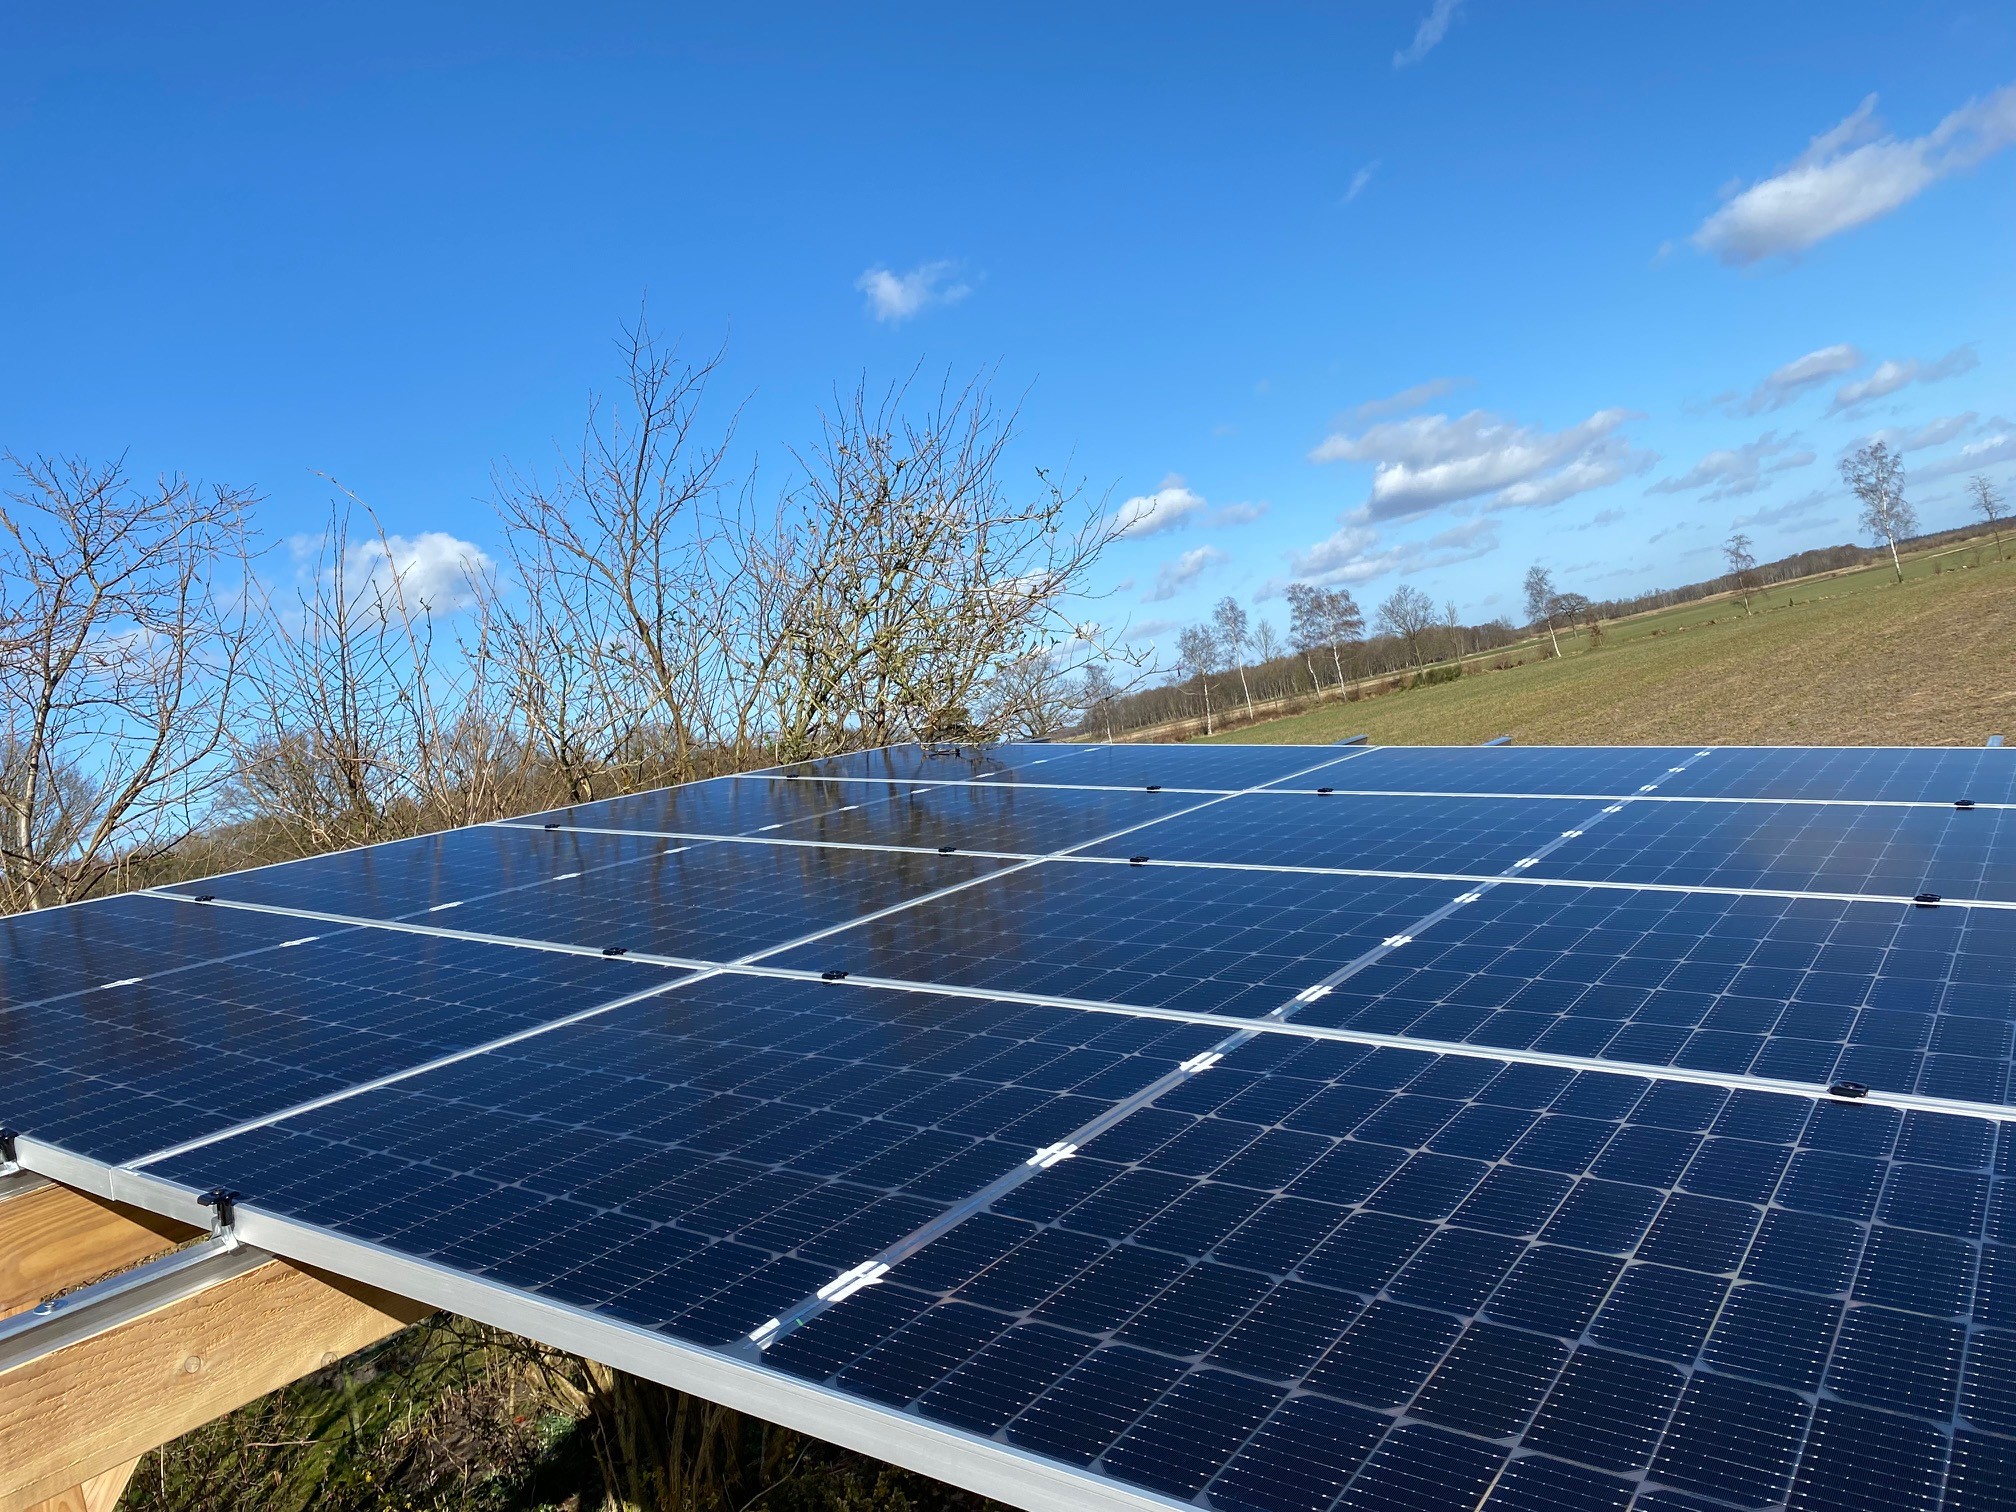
1269, 1129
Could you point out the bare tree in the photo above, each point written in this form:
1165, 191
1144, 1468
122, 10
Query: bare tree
1742, 565
1197, 656
1267, 645
1323, 619
365, 720
1096, 692
123, 633
1407, 615
1876, 474
1987, 501
923, 573
1235, 633
1452, 622
1540, 595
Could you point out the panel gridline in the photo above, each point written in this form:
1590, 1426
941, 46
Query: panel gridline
1437, 1242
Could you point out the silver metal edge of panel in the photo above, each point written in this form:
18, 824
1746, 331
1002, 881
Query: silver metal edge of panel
946, 1453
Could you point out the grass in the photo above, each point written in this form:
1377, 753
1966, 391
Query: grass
1856, 659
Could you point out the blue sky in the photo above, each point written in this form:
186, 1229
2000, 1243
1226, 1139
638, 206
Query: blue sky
1363, 291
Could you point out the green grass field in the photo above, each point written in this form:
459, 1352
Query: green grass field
1852, 660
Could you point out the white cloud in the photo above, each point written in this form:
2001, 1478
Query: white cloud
1430, 460
1852, 174
1356, 553
895, 297
1407, 399
433, 570
1433, 28
1171, 578
1173, 506
1237, 514
1780, 514
1998, 446
1936, 432
1360, 181
1892, 375
1168, 507
1798, 376
1740, 470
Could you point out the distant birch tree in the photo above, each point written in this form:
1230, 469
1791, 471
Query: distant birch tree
1876, 475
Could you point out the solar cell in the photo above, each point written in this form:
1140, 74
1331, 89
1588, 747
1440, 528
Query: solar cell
1022, 820
694, 1162
1602, 1300
1250, 1235
1896, 852
717, 901
1237, 943
721, 806
1474, 835
137, 1065
1920, 775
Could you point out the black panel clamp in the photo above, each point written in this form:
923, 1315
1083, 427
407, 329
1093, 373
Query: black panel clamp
1154, 787
1925, 900
948, 850
206, 898
1321, 791
549, 826
226, 1203
615, 950
10, 1158
1963, 803
1847, 1089
832, 976
1137, 860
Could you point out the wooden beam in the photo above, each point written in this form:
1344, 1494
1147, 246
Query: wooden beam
53, 1238
101, 1493
89, 1407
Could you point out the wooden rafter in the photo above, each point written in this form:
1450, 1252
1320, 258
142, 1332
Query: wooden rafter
53, 1238
123, 1376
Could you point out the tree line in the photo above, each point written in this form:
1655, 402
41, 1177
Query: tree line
652, 615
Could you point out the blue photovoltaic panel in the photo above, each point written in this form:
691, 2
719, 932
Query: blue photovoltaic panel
1845, 848
698, 1161
722, 806
1480, 836
1244, 1272
1216, 768
139, 1066
1328, 1275
1899, 998
1021, 820
1617, 771
1238, 943
1899, 776
57, 951
698, 898
410, 877
936, 763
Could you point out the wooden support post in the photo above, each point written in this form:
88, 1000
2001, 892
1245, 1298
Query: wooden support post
71, 1418
53, 1238
101, 1493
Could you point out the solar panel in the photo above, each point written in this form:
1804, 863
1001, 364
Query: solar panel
1255, 1128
